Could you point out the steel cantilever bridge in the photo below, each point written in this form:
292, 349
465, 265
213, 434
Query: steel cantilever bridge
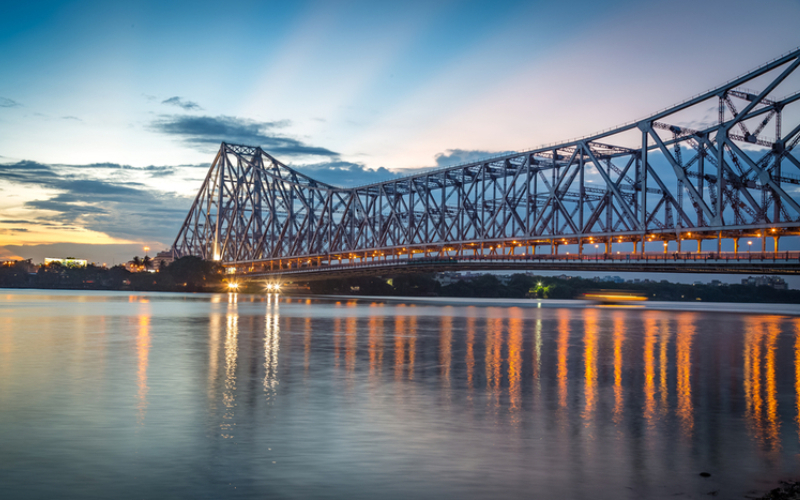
651, 181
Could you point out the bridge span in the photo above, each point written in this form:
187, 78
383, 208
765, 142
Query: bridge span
730, 263
597, 203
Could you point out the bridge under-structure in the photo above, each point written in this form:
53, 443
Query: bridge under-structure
652, 182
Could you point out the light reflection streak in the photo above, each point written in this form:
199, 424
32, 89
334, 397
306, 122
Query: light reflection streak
562, 344
272, 338
412, 344
231, 354
399, 342
470, 356
445, 349
650, 329
515, 359
337, 331
752, 376
685, 336
307, 347
351, 345
773, 420
619, 339
214, 327
493, 359
375, 342
797, 371
590, 364
537, 356
663, 366
143, 355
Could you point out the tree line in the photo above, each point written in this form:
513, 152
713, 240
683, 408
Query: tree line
187, 274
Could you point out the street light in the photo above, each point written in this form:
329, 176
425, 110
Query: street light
749, 243
146, 249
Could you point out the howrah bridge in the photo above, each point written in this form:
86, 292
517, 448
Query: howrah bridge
667, 193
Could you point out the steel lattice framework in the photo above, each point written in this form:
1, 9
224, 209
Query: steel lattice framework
736, 176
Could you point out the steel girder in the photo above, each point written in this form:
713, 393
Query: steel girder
653, 177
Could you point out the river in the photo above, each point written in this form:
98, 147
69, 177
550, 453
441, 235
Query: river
159, 395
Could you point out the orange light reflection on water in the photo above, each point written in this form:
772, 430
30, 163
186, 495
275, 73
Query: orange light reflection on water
470, 355
562, 353
590, 364
515, 359
375, 342
619, 339
445, 350
494, 359
143, 355
649, 370
685, 336
797, 371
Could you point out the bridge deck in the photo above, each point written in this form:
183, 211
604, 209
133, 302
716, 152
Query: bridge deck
728, 263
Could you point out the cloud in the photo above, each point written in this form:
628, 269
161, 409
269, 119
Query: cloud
453, 157
181, 103
119, 208
71, 118
206, 130
8, 103
345, 174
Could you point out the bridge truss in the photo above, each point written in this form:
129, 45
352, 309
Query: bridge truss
656, 179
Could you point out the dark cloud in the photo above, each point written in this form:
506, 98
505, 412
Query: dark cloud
345, 174
181, 103
27, 222
208, 130
459, 156
8, 103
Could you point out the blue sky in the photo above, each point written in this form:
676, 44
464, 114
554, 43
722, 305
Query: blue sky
111, 111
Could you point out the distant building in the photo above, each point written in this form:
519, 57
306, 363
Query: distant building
775, 282
165, 257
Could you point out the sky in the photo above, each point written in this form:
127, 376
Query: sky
111, 112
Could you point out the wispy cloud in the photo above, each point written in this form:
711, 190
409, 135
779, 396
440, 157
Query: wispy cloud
181, 103
345, 174
459, 156
5, 102
206, 130
70, 117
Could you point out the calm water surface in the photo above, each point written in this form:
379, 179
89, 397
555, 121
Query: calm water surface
115, 395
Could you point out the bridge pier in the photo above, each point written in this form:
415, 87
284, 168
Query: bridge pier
699, 245
775, 238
